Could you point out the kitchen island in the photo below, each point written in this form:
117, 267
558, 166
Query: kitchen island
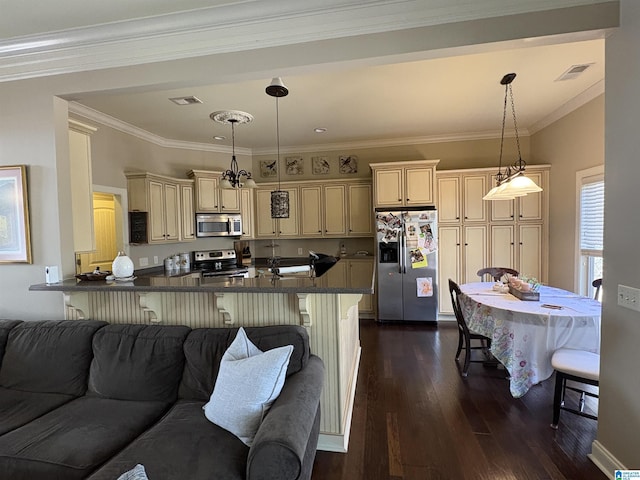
326, 306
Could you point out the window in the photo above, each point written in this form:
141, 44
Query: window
590, 228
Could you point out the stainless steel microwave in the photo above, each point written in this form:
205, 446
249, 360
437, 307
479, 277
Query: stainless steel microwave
218, 225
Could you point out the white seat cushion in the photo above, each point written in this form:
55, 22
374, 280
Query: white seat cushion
579, 363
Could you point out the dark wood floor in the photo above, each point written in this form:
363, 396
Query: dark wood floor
415, 417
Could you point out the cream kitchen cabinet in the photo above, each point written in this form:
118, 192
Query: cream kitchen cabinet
404, 184
210, 197
246, 212
528, 208
187, 213
462, 251
359, 270
323, 210
267, 227
81, 186
160, 197
519, 247
460, 197
360, 221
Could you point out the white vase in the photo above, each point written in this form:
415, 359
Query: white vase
122, 266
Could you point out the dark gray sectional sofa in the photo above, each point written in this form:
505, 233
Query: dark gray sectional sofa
84, 399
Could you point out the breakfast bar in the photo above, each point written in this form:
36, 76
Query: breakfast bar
326, 306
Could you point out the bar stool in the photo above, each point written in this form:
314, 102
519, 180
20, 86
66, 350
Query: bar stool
579, 366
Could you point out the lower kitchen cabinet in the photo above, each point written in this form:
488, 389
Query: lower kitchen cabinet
362, 269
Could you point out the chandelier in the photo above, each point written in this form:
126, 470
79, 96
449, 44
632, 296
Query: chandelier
232, 178
279, 198
512, 182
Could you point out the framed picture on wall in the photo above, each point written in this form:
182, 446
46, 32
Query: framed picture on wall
15, 239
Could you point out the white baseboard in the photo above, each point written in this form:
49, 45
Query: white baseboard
604, 460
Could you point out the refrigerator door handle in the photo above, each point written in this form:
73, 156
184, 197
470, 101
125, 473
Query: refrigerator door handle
400, 256
403, 250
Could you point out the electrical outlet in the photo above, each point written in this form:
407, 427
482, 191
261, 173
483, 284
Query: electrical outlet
144, 261
155, 259
299, 251
629, 297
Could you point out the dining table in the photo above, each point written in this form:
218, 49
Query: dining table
525, 333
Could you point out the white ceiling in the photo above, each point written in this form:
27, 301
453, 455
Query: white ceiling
454, 97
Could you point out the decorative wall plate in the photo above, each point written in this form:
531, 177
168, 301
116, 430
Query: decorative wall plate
295, 165
268, 168
348, 164
319, 165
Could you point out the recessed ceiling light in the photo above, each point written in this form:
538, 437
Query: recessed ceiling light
320, 130
219, 137
190, 100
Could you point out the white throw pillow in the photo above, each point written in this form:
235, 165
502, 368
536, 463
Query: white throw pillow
136, 473
248, 382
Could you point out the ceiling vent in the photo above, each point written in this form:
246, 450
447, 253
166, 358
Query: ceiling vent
574, 71
190, 100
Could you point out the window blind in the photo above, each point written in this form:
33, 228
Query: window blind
592, 218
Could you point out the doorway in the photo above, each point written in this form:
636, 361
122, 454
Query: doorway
110, 230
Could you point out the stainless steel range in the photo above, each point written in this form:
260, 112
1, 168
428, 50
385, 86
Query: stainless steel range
218, 263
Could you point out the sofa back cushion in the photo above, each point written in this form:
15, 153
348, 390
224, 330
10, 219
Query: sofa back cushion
5, 328
137, 362
204, 348
49, 356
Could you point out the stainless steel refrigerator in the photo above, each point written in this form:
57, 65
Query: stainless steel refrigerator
407, 264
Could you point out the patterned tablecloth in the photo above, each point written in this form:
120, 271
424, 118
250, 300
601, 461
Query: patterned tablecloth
525, 333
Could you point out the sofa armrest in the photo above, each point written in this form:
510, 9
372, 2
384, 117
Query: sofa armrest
281, 446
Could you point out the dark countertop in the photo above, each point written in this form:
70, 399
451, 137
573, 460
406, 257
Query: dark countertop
150, 282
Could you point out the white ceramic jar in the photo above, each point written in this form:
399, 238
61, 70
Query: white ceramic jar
122, 266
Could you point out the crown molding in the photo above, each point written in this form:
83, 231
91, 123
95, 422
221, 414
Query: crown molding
112, 122
576, 102
238, 27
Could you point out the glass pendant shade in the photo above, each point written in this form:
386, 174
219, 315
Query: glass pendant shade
279, 204
249, 183
524, 184
224, 183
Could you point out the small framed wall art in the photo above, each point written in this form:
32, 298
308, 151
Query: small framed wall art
348, 164
295, 165
320, 165
15, 239
268, 168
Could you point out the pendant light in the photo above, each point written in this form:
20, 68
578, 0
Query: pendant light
279, 198
513, 182
231, 178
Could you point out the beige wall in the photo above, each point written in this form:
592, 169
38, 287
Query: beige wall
619, 424
458, 154
575, 142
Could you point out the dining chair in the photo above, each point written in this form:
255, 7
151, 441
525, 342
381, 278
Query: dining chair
597, 284
496, 272
464, 335
578, 366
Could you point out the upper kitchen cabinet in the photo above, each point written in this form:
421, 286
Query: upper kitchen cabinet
323, 211
210, 197
360, 221
246, 212
404, 184
81, 186
167, 204
460, 196
528, 208
267, 227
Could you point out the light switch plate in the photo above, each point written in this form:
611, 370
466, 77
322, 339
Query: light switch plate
629, 297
